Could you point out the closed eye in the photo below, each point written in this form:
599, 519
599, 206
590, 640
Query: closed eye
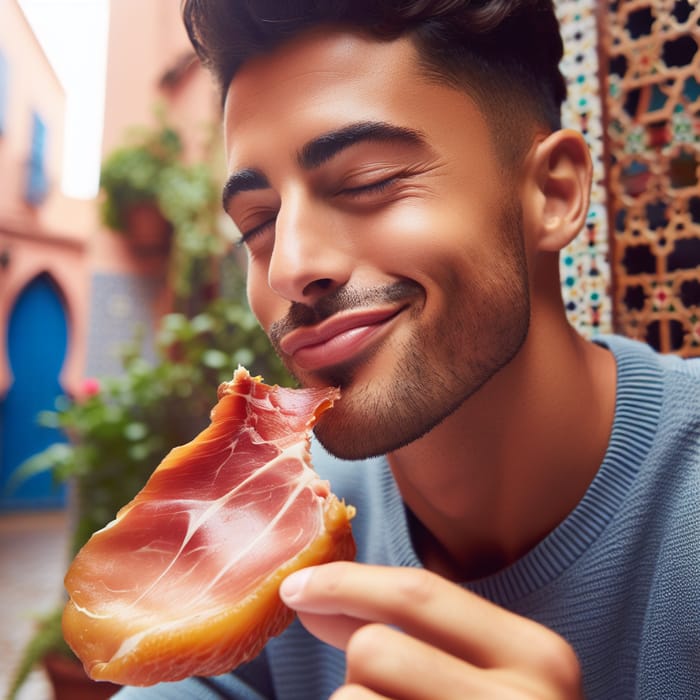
248, 235
370, 188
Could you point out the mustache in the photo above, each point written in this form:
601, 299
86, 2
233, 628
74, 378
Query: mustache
341, 299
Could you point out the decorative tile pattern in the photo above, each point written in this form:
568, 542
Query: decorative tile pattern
652, 63
585, 271
121, 308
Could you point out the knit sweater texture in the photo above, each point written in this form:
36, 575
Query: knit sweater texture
619, 578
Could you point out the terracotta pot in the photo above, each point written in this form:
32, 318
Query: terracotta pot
70, 682
148, 230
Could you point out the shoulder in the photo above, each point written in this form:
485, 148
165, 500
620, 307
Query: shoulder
637, 357
657, 413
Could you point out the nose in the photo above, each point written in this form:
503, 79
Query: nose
310, 257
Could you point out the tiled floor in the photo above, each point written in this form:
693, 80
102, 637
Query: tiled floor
33, 559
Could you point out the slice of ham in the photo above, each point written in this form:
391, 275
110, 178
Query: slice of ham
185, 580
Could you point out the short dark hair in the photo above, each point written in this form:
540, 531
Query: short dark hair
504, 53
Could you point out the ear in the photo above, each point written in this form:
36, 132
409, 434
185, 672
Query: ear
562, 170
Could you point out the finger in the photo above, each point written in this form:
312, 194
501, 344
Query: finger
381, 657
425, 606
356, 692
335, 630
396, 665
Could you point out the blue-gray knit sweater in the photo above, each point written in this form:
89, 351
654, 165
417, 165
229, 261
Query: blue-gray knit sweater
619, 578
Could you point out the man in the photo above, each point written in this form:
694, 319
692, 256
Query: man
528, 502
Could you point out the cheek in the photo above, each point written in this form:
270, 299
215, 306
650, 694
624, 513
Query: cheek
403, 235
426, 243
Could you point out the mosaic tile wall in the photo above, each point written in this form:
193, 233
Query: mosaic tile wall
653, 109
121, 309
585, 271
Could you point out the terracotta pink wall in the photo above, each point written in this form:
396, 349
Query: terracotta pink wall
51, 237
146, 40
63, 236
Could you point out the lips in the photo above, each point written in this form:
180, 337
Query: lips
338, 339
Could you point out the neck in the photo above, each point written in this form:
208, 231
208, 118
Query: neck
507, 467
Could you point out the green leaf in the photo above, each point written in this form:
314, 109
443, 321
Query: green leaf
135, 431
48, 638
214, 359
202, 323
139, 452
244, 357
53, 457
49, 419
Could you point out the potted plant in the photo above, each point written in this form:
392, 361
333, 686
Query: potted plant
131, 180
121, 427
165, 205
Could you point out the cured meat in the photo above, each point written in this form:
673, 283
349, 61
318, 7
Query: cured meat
185, 580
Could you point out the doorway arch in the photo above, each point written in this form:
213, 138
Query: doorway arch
36, 342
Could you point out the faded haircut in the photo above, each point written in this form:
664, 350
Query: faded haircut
504, 53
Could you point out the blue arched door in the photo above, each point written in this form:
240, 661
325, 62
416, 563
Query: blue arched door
37, 338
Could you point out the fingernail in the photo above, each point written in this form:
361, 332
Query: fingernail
293, 586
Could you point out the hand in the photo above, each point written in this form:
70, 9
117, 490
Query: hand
410, 635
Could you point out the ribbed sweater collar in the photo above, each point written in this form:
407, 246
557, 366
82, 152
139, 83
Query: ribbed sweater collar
639, 395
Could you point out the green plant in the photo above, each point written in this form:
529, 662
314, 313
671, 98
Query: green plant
47, 639
134, 173
150, 168
121, 427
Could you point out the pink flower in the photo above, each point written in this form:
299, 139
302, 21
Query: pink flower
90, 387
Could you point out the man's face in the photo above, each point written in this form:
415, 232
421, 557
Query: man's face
385, 252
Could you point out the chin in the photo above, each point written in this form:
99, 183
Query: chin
384, 416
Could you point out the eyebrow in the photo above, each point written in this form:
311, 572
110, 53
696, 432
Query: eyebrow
242, 181
322, 149
326, 146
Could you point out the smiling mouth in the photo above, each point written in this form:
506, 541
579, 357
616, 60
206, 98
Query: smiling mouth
339, 339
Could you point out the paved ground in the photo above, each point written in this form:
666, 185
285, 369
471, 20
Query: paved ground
33, 559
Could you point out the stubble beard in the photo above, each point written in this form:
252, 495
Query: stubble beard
443, 363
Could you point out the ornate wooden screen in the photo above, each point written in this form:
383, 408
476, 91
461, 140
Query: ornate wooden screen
651, 60
585, 268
